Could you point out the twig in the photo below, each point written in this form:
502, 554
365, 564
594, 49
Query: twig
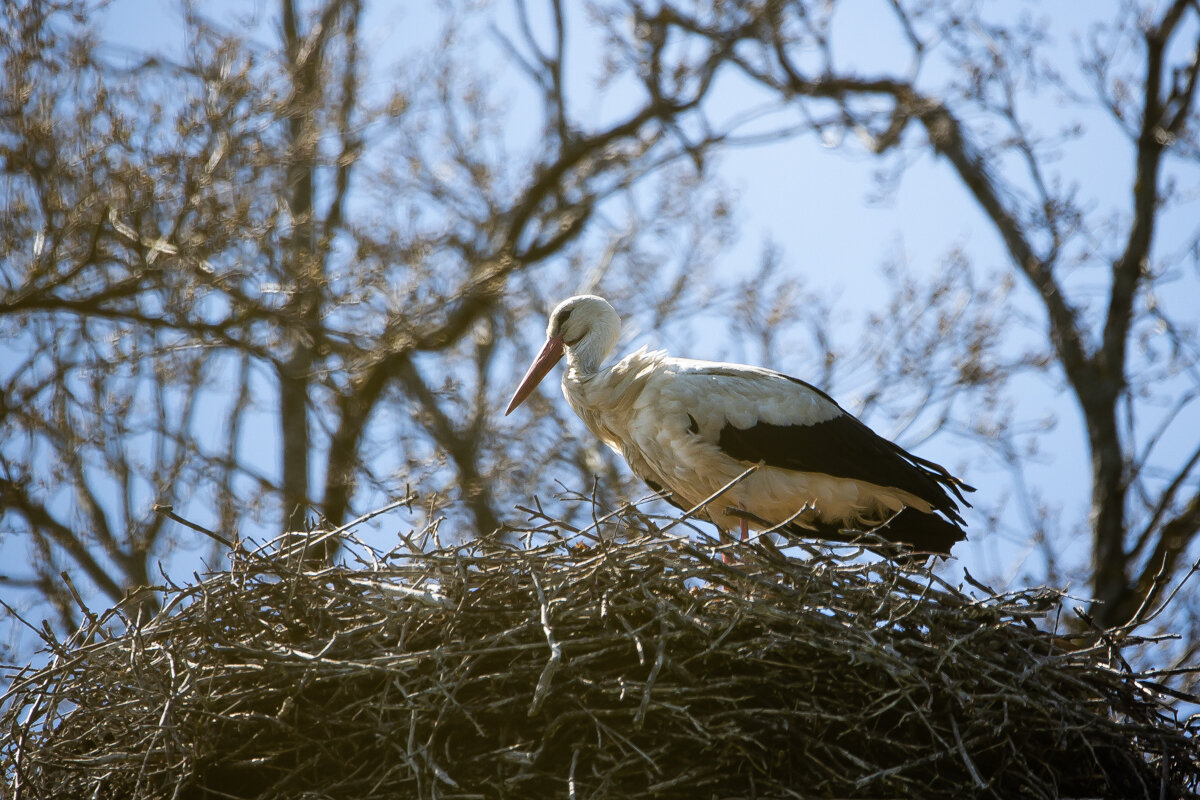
168, 511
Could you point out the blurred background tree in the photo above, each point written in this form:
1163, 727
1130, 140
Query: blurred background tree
277, 276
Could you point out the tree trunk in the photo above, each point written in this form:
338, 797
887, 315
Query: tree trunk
302, 272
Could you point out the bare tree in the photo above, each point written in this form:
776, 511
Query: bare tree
961, 92
195, 248
256, 235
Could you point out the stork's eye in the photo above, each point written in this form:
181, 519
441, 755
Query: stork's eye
562, 319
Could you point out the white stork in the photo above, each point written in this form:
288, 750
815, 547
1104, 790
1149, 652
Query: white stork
690, 428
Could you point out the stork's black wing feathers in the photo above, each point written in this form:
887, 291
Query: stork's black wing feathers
846, 448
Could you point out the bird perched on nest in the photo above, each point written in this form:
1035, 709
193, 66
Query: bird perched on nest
690, 428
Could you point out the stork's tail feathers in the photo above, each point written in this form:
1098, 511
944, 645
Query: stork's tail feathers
925, 533
922, 532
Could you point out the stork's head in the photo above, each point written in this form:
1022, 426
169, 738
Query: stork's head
585, 328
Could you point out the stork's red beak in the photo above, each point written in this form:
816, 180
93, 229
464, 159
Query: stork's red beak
545, 361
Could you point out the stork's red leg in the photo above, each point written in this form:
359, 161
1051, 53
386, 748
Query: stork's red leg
726, 556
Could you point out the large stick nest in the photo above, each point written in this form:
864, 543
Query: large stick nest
644, 668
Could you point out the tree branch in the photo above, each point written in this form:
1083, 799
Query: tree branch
1172, 543
13, 496
1151, 142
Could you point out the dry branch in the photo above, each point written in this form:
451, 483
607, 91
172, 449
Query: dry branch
633, 669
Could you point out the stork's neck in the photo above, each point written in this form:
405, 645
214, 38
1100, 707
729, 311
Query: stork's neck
583, 363
612, 390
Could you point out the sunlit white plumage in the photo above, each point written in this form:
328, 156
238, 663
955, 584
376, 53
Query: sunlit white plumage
689, 428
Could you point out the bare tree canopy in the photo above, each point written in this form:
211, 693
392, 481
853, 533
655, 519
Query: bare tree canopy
277, 280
